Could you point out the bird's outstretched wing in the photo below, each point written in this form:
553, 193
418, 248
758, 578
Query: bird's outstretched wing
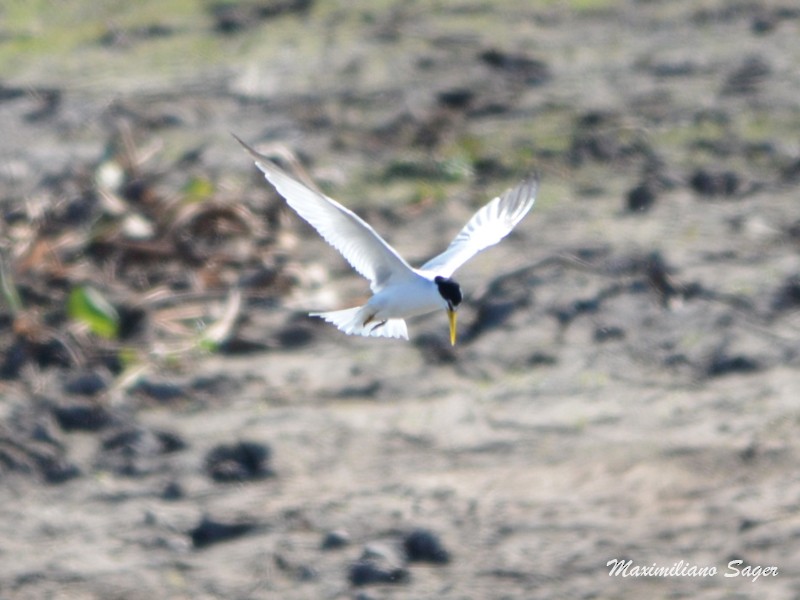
488, 226
353, 237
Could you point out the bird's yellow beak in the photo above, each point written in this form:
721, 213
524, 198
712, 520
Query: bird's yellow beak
451, 316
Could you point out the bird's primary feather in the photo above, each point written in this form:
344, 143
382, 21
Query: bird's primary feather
354, 238
488, 226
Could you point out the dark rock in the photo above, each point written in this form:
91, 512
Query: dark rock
58, 470
764, 22
233, 18
488, 168
13, 92
78, 210
640, 198
456, 98
531, 70
81, 416
138, 190
230, 18
748, 77
238, 462
335, 540
750, 452
274, 8
132, 439
715, 183
86, 384
541, 359
566, 314
133, 451
597, 118
172, 491
240, 346
51, 353
605, 334
132, 322
788, 295
365, 388
209, 532
722, 364
159, 391
367, 572
15, 358
220, 385
746, 523
295, 336
421, 545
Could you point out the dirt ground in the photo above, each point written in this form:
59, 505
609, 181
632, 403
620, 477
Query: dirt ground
625, 386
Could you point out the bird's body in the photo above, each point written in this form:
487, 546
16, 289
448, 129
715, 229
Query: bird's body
385, 313
399, 291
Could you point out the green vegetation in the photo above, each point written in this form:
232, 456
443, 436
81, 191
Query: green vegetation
88, 306
198, 189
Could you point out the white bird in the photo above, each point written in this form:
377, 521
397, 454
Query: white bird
399, 291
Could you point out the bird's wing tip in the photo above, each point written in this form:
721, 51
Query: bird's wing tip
524, 193
241, 141
250, 150
532, 179
531, 185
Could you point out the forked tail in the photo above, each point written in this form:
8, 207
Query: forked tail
351, 321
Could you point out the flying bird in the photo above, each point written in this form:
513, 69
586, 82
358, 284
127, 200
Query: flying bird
399, 290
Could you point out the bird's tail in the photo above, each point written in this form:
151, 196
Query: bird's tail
352, 322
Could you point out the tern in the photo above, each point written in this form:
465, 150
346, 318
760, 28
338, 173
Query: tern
399, 290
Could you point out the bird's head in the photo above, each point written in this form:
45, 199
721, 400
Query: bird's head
450, 291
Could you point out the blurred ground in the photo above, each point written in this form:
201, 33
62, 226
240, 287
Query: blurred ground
625, 386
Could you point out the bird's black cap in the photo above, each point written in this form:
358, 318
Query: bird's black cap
449, 290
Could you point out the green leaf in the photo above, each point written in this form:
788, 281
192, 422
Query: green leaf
198, 189
88, 306
207, 345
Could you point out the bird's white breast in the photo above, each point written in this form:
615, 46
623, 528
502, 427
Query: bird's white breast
414, 296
